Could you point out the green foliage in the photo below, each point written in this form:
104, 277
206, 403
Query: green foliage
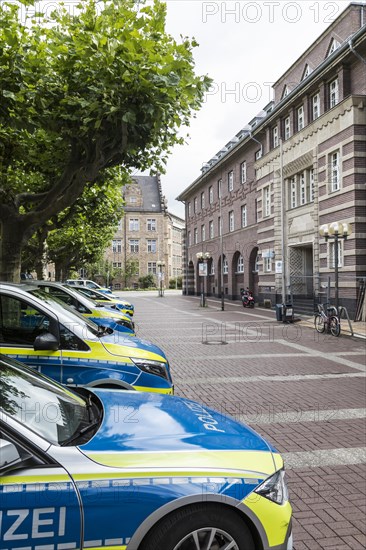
147, 281
82, 93
175, 283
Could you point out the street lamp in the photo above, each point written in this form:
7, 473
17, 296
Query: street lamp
335, 231
203, 258
161, 265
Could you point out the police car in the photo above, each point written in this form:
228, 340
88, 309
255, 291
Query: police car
96, 312
69, 348
88, 284
109, 300
101, 469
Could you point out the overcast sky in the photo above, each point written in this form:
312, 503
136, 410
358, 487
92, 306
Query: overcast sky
244, 46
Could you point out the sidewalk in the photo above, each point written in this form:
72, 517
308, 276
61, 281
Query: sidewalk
358, 328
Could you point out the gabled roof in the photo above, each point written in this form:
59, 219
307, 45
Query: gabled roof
151, 198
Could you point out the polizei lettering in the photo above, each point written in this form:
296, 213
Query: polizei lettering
45, 522
208, 421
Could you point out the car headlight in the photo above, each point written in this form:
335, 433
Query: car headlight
274, 488
152, 367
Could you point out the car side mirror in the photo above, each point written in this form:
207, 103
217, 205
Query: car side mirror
46, 342
8, 454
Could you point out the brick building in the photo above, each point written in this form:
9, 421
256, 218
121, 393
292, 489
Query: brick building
297, 165
147, 234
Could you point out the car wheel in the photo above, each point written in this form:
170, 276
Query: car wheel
200, 527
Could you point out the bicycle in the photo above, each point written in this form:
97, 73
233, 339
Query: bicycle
328, 319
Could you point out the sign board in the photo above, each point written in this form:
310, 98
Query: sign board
202, 269
278, 266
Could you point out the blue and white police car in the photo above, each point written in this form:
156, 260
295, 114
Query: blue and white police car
108, 470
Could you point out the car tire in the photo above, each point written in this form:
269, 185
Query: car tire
200, 526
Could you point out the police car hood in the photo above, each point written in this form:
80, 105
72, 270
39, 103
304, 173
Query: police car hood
162, 431
132, 346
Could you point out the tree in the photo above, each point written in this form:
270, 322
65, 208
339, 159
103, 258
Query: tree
81, 94
80, 234
147, 281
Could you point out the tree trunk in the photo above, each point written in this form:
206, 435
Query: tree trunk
11, 243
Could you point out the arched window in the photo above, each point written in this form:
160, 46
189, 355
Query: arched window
226, 267
240, 264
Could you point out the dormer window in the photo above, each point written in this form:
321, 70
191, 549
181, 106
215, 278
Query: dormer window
306, 72
334, 45
285, 92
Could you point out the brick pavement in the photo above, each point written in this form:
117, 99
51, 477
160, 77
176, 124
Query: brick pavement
303, 391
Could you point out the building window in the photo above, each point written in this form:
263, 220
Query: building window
300, 118
333, 93
287, 127
151, 267
119, 227
189, 238
189, 209
210, 194
151, 245
267, 201
226, 267
303, 188
244, 221
315, 100
212, 268
240, 264
267, 264
134, 224
134, 245
195, 235
331, 254
230, 181
334, 169
132, 199
312, 185
195, 205
117, 246
211, 229
275, 136
258, 154
117, 264
293, 192
203, 233
202, 200
219, 225
243, 172
219, 187
231, 221
151, 224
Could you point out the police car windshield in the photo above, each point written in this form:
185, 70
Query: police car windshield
49, 410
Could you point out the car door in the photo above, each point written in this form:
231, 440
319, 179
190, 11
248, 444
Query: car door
39, 505
21, 321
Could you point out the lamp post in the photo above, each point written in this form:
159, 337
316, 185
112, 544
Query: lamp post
161, 265
335, 231
203, 258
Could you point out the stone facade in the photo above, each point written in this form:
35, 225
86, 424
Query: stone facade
147, 234
299, 164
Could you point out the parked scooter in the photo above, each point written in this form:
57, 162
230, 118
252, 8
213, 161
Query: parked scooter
247, 298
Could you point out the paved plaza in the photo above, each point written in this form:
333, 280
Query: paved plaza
303, 391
